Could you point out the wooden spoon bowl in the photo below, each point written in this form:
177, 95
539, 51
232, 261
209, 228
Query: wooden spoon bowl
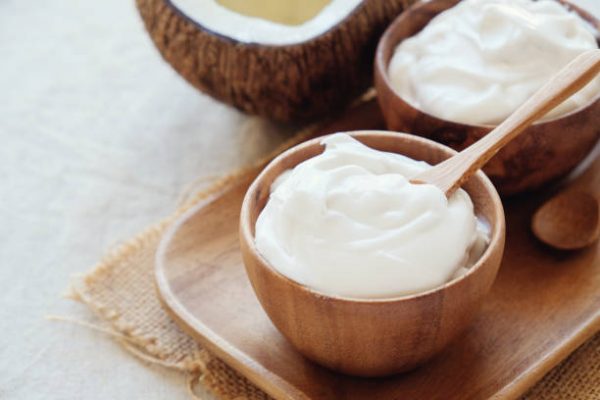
379, 336
544, 152
568, 221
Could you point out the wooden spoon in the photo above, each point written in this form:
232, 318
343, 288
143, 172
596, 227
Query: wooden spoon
571, 219
452, 173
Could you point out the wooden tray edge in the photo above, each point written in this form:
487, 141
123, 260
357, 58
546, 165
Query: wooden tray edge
535, 373
263, 378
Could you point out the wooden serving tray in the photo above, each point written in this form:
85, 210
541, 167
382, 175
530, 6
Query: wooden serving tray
542, 306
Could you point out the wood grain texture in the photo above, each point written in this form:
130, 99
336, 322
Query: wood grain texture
302, 81
362, 336
542, 306
546, 151
571, 219
450, 174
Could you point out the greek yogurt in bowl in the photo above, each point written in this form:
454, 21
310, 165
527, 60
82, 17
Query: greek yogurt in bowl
478, 61
348, 222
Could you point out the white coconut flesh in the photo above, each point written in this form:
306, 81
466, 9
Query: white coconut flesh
270, 22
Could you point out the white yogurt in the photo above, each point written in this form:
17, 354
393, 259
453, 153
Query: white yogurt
479, 61
349, 223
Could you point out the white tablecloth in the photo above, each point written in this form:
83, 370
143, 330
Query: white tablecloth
98, 138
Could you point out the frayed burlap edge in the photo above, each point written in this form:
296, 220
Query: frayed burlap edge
201, 366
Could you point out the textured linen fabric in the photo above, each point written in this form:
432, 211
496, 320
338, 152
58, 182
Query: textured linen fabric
98, 139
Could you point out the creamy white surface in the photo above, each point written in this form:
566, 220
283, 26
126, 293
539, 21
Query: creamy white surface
348, 222
243, 28
479, 61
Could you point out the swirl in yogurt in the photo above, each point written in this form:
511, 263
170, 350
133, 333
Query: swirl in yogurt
478, 61
349, 223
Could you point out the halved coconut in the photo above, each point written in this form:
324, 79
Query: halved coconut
288, 60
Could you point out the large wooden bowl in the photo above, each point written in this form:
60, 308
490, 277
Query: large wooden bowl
546, 151
380, 336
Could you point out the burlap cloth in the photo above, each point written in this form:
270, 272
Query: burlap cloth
120, 291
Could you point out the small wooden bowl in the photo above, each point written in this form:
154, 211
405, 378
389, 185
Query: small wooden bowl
380, 336
545, 152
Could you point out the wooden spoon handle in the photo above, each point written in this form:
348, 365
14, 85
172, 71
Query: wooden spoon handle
452, 173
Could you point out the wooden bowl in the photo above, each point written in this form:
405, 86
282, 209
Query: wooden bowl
379, 336
544, 152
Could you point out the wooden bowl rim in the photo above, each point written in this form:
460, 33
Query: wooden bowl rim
230, 40
381, 65
246, 230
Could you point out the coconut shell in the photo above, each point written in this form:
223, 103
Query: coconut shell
297, 82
